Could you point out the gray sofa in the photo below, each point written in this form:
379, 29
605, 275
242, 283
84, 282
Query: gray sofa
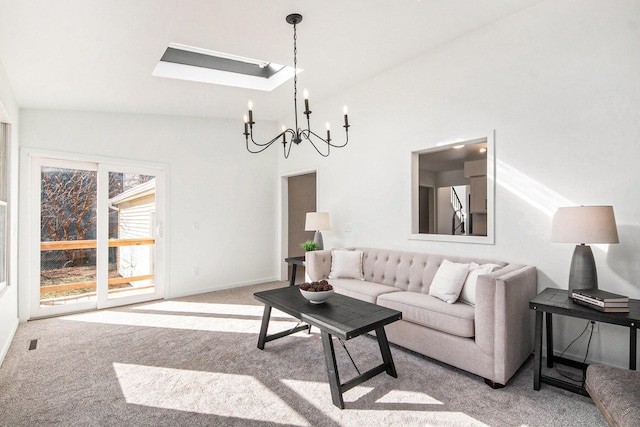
491, 339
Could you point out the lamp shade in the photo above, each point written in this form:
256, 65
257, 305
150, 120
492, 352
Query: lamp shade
584, 224
317, 221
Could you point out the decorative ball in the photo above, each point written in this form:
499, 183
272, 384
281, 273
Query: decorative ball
316, 292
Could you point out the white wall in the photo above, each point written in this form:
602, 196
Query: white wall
559, 84
9, 113
212, 180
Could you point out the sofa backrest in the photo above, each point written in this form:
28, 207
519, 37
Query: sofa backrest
409, 271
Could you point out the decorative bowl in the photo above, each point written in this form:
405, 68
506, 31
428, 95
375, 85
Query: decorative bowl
316, 297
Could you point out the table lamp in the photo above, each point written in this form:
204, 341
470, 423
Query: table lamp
317, 221
583, 225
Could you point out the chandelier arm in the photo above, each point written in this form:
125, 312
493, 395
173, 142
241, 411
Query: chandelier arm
307, 133
285, 151
285, 142
264, 147
310, 132
318, 150
266, 144
345, 142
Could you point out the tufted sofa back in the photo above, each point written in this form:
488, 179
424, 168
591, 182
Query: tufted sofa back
409, 271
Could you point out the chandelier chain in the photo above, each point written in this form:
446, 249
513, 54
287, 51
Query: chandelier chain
295, 78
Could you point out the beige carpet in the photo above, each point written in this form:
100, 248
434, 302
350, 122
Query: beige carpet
193, 362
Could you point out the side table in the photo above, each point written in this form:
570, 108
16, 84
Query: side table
295, 261
556, 301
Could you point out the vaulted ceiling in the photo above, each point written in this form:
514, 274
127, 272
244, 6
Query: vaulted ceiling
98, 55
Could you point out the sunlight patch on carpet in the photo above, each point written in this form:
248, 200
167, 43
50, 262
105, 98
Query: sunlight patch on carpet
196, 323
227, 395
321, 390
207, 308
428, 411
402, 396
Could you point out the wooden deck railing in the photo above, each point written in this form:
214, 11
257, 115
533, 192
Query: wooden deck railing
92, 244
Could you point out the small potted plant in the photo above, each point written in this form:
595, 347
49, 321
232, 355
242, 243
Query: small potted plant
309, 245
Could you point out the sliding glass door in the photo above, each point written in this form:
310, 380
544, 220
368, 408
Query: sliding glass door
131, 212
97, 235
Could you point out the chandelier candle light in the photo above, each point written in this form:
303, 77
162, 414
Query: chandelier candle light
297, 134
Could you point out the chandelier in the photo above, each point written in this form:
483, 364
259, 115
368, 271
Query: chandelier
297, 134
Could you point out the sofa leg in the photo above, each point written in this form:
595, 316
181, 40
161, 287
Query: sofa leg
494, 385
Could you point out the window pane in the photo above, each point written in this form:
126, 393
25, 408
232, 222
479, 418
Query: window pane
132, 210
68, 233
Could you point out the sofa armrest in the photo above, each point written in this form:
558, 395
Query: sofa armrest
504, 323
317, 265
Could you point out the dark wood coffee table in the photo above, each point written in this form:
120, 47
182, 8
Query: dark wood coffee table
342, 316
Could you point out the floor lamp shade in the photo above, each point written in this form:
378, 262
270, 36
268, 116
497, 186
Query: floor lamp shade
316, 221
583, 225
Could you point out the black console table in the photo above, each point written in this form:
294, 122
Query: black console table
556, 301
295, 261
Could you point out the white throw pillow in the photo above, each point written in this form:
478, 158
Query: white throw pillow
346, 265
448, 281
468, 293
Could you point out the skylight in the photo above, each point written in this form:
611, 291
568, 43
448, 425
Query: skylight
208, 66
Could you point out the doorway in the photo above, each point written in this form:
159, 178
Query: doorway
96, 235
301, 196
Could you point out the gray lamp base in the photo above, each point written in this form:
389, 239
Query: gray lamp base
318, 239
583, 273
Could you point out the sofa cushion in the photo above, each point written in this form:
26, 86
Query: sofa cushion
365, 291
426, 310
468, 293
448, 281
346, 264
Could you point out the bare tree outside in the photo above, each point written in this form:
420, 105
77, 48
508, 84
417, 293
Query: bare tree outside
68, 213
68, 208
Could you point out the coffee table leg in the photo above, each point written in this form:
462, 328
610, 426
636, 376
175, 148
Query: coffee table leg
386, 352
332, 370
265, 324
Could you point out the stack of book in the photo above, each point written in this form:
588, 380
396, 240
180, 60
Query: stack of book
601, 300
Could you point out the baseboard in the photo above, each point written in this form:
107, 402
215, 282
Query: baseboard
9, 340
221, 287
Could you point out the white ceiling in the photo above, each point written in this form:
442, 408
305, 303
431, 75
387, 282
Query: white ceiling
441, 159
98, 55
